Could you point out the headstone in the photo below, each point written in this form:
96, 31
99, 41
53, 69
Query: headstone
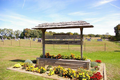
99, 39
5, 38
29, 38
88, 39
2, 40
24, 37
34, 39
39, 39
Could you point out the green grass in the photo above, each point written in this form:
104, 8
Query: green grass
14, 53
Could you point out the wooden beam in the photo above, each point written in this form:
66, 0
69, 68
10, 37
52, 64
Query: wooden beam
43, 41
81, 39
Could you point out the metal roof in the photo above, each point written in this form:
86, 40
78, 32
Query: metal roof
62, 25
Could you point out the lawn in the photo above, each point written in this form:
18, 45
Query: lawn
12, 52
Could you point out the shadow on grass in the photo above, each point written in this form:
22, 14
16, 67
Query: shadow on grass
117, 51
19, 60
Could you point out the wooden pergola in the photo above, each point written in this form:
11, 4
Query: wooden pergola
63, 25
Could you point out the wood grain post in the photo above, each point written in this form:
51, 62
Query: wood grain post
81, 39
19, 42
104, 46
3, 42
11, 42
30, 43
84, 46
43, 41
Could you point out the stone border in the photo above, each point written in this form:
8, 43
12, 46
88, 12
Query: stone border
104, 72
56, 77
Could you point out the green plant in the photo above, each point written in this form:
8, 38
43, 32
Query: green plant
17, 65
72, 56
41, 56
71, 73
67, 57
82, 76
96, 76
22, 64
49, 67
59, 56
63, 56
78, 57
93, 64
27, 65
51, 72
96, 68
53, 57
28, 61
93, 70
47, 55
42, 70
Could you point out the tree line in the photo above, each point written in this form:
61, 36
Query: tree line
30, 33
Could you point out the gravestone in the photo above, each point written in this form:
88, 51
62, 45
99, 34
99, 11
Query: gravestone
88, 39
34, 39
99, 39
39, 39
2, 40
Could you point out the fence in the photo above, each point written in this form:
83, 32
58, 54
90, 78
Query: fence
88, 46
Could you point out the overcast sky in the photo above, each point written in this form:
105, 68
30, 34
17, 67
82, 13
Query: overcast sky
104, 15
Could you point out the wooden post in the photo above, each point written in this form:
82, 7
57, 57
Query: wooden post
43, 41
84, 46
30, 43
3, 42
81, 39
11, 42
68, 42
19, 42
104, 46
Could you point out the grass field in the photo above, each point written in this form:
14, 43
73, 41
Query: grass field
12, 52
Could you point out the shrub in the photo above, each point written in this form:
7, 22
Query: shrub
28, 61
41, 56
96, 76
93, 64
17, 66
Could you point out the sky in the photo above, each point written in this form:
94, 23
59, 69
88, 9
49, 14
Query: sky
104, 15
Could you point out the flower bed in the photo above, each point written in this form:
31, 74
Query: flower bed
80, 73
59, 56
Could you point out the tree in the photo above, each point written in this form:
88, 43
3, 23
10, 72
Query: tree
75, 34
26, 32
117, 31
17, 33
